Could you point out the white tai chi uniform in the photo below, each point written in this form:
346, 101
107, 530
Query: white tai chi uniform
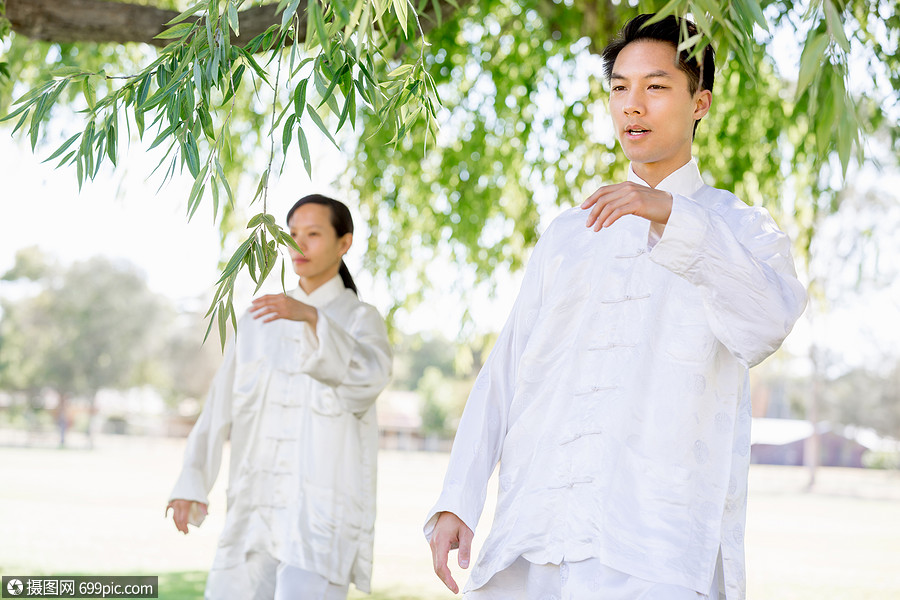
616, 398
300, 410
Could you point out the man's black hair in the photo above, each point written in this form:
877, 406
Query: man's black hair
700, 69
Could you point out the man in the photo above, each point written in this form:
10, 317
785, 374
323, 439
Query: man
616, 398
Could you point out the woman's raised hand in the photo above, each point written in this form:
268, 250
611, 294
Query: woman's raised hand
281, 306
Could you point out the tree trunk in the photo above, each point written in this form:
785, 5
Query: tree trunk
69, 21
812, 448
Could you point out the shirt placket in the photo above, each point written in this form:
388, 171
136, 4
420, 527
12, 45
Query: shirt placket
278, 467
607, 346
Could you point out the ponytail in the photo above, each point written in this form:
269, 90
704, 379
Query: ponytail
344, 272
340, 220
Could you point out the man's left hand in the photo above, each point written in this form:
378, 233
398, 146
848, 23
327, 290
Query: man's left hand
613, 201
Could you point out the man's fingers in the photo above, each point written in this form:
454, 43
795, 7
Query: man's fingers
614, 216
465, 546
440, 551
599, 201
614, 207
591, 200
445, 576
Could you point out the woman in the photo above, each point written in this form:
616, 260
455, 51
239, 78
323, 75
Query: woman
296, 392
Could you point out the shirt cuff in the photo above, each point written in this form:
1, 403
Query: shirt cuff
190, 486
680, 244
445, 505
330, 359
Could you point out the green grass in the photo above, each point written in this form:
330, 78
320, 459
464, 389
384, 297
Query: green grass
100, 512
187, 585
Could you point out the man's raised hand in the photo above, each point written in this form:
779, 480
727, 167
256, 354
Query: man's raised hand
611, 202
449, 534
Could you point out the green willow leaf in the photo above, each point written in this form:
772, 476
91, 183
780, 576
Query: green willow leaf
289, 13
836, 26
288, 132
304, 151
192, 154
328, 94
197, 192
318, 121
811, 60
65, 146
64, 72
233, 20
176, 32
300, 98
111, 142
189, 12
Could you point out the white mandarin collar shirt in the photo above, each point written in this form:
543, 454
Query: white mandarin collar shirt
299, 408
616, 398
684, 180
322, 295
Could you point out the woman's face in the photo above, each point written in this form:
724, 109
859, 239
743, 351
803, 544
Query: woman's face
311, 228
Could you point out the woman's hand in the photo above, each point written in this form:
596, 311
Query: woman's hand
181, 512
281, 306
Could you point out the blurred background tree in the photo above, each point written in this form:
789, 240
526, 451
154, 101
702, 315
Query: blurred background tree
90, 326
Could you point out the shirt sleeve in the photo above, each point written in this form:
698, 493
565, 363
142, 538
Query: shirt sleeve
482, 428
203, 453
744, 269
355, 360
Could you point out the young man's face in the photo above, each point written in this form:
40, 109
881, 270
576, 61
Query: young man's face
653, 110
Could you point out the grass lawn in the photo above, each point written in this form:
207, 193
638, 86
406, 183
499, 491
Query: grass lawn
100, 512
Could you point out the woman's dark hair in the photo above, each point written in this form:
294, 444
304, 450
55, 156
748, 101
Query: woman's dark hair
340, 220
700, 68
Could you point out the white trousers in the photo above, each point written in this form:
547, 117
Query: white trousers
262, 577
582, 580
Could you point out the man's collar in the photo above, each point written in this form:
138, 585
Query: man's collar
685, 180
322, 295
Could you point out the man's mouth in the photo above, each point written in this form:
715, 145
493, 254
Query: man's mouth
636, 130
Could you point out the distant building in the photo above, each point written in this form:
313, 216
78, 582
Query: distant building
785, 442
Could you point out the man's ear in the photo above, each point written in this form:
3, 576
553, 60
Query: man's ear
702, 103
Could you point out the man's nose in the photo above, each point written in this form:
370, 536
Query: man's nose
634, 104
